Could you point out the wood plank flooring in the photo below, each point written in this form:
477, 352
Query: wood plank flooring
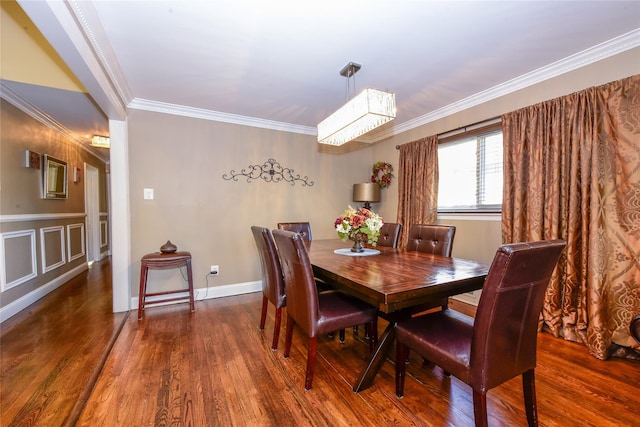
52, 353
215, 368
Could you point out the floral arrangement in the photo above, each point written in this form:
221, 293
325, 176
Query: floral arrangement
359, 225
382, 174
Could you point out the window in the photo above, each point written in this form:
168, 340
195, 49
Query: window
470, 178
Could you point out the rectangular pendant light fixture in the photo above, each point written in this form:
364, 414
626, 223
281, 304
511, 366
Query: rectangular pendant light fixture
363, 113
100, 141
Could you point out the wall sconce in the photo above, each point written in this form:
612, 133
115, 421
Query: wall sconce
32, 159
77, 174
366, 192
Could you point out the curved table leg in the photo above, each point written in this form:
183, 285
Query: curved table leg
377, 359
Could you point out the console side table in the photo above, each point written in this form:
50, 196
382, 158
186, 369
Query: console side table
164, 260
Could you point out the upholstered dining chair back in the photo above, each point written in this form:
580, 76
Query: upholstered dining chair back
273, 289
500, 343
315, 312
390, 234
506, 322
431, 238
304, 228
302, 296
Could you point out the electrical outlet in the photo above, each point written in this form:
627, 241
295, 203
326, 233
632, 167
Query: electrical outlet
215, 270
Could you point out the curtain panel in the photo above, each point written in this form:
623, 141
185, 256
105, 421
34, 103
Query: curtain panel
417, 184
572, 171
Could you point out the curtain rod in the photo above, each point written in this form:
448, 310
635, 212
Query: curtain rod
467, 127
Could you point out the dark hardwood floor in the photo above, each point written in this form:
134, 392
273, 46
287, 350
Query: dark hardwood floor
215, 368
52, 353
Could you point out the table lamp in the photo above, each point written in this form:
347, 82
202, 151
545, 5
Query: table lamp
366, 192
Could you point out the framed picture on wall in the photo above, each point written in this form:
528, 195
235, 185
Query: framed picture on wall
54, 178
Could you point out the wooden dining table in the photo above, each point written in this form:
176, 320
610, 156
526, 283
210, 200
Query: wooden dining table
396, 281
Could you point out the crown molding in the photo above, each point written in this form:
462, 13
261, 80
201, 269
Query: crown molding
589, 56
90, 24
200, 113
25, 106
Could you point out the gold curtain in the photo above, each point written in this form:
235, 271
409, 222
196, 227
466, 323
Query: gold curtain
572, 171
417, 184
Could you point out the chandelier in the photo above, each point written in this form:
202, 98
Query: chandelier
363, 113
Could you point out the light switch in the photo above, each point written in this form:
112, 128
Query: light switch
148, 193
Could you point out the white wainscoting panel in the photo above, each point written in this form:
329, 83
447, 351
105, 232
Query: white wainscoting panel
30, 246
70, 231
46, 266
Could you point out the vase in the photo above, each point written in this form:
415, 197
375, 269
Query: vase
168, 248
357, 244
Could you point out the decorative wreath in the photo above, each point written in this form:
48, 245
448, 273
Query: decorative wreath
382, 174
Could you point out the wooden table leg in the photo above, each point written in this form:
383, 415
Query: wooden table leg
190, 281
377, 359
144, 269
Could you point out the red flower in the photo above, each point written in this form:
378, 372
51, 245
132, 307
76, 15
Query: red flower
357, 221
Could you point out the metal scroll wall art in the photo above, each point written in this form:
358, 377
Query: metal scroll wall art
269, 171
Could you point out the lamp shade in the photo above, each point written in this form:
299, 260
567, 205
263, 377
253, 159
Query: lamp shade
366, 192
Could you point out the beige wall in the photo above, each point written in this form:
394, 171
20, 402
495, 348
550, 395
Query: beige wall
23, 208
184, 159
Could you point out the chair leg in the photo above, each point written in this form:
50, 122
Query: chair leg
402, 352
263, 316
480, 408
288, 336
276, 329
311, 362
373, 334
341, 334
529, 389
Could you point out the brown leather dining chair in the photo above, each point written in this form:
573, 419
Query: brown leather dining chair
389, 234
304, 228
315, 313
500, 343
433, 239
273, 290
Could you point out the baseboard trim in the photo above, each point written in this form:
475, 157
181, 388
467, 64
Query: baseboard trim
211, 292
25, 301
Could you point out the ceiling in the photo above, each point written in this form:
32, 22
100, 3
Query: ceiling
276, 63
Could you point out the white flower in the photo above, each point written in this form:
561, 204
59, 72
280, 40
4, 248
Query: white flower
343, 227
374, 223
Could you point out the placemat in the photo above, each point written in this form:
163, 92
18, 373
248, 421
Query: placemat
347, 252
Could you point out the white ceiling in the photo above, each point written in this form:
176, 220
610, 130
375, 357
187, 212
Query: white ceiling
279, 61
